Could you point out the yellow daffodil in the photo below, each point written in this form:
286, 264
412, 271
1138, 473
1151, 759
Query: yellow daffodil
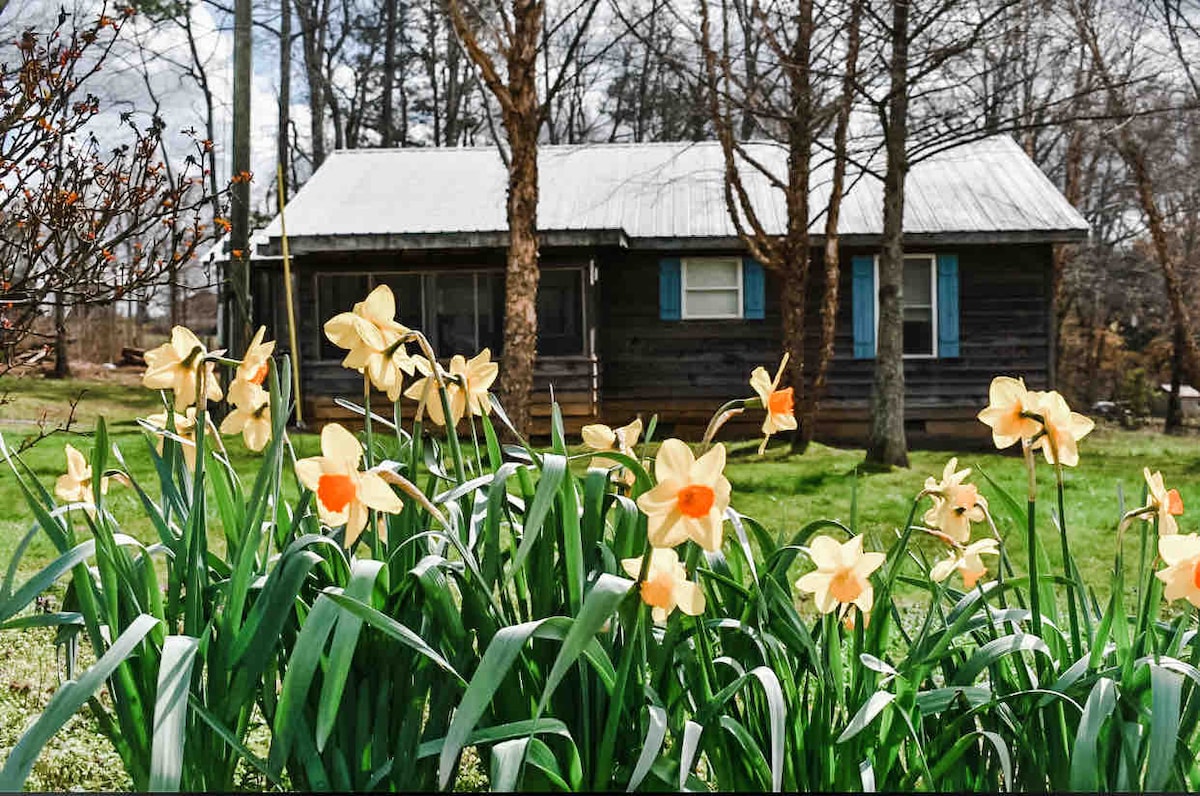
75, 486
779, 404
253, 422
1181, 553
1164, 503
185, 428
955, 505
967, 561
690, 499
1006, 413
600, 437
374, 340
344, 493
246, 389
842, 574
666, 586
177, 365
1062, 427
467, 382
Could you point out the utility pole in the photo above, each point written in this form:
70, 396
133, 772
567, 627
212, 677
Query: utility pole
237, 282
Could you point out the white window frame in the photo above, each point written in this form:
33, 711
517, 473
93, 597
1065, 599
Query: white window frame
683, 289
933, 295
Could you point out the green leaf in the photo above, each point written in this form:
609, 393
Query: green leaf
554, 468
995, 650
67, 701
302, 665
1086, 765
392, 628
170, 712
1165, 691
688, 750
651, 746
500, 732
866, 714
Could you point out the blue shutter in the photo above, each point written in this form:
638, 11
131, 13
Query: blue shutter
753, 290
669, 289
863, 299
947, 287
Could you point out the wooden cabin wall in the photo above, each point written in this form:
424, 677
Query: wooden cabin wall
686, 369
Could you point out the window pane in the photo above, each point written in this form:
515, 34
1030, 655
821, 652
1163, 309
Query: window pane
454, 314
407, 290
560, 313
707, 303
491, 312
712, 273
918, 330
337, 293
917, 282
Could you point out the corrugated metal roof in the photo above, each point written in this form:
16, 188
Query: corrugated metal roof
662, 191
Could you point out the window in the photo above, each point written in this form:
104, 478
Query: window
462, 312
918, 311
712, 288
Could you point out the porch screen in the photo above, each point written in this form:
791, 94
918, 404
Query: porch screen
462, 312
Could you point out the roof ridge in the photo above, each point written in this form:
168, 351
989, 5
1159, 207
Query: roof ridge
541, 147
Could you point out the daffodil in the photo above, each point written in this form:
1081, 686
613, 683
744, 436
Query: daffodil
185, 429
467, 382
253, 422
842, 574
955, 505
75, 486
1062, 429
780, 404
1164, 503
666, 586
690, 499
600, 437
246, 389
177, 365
967, 561
1181, 553
344, 493
374, 340
1007, 412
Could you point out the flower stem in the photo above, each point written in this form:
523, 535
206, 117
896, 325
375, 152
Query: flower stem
1035, 601
1073, 590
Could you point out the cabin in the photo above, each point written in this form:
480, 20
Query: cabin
648, 302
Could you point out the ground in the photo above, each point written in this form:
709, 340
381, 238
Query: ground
783, 492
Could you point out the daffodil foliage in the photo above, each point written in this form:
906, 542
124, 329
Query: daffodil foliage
443, 598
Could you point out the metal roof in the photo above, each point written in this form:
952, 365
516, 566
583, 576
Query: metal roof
654, 194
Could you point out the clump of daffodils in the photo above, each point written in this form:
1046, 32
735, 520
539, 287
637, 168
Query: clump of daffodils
1035, 418
251, 415
956, 506
374, 341
601, 438
467, 383
180, 365
842, 577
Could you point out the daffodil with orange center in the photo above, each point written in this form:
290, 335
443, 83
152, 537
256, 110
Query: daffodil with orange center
75, 486
1008, 412
780, 404
178, 365
247, 387
843, 574
1062, 429
666, 586
690, 498
967, 561
185, 430
1166, 504
955, 505
467, 383
344, 493
600, 437
1181, 553
374, 341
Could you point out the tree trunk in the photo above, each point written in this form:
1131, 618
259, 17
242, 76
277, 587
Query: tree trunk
314, 54
832, 259
888, 445
521, 122
282, 156
797, 249
239, 274
1174, 420
1062, 253
62, 361
389, 70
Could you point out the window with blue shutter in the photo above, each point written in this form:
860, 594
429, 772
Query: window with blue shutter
670, 289
862, 270
947, 304
754, 290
